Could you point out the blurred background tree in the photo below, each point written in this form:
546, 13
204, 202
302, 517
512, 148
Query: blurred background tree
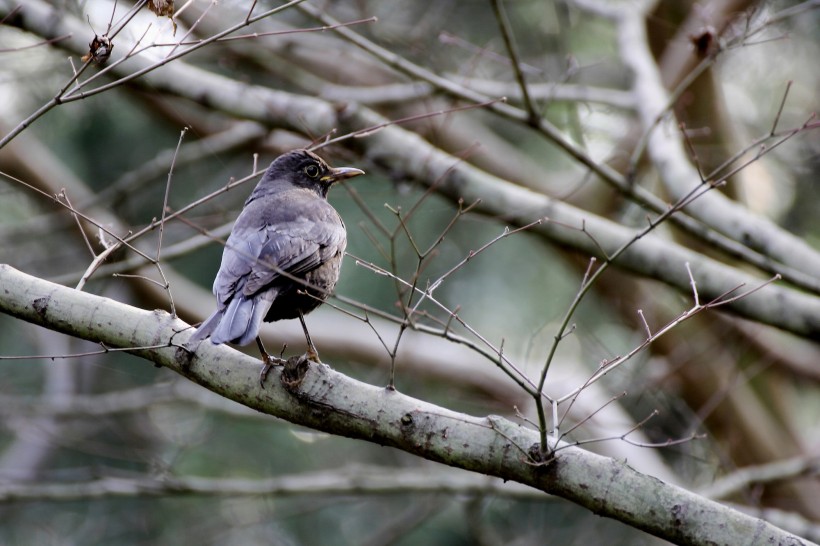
615, 115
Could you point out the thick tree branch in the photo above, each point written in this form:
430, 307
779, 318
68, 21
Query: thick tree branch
328, 401
666, 149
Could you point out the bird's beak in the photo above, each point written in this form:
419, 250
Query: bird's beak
341, 173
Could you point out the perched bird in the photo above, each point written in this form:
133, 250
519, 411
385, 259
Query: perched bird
284, 254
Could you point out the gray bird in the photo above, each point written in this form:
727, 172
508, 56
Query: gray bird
283, 256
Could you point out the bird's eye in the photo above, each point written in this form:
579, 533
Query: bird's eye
312, 170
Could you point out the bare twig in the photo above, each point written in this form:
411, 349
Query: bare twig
77, 93
162, 220
723, 299
63, 196
512, 50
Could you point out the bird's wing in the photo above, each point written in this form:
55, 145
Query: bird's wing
295, 249
254, 258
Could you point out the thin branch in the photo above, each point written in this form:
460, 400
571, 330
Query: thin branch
162, 220
59, 97
721, 300
88, 219
780, 109
62, 195
76, 94
47, 42
370, 131
695, 295
777, 471
105, 349
512, 50
586, 418
346, 481
96, 263
287, 32
509, 368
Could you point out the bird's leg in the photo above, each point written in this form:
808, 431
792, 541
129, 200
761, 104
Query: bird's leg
312, 353
269, 361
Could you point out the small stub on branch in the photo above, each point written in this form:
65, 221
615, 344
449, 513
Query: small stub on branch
99, 50
294, 372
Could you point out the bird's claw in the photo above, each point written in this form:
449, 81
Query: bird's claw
264, 374
313, 355
268, 363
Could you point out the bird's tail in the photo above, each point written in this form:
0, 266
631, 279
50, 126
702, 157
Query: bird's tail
239, 322
205, 329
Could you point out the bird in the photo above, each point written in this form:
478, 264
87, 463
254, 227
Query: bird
283, 256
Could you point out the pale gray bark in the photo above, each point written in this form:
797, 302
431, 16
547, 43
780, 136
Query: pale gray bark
329, 401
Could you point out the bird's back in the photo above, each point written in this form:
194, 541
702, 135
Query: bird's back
294, 231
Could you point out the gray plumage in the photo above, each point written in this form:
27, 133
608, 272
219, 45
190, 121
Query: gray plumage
284, 254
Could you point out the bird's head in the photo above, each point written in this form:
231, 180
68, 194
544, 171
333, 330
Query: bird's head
301, 168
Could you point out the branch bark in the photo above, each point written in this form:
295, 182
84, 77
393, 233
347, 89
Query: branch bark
329, 401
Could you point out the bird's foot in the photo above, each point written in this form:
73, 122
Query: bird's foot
263, 374
312, 354
268, 363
